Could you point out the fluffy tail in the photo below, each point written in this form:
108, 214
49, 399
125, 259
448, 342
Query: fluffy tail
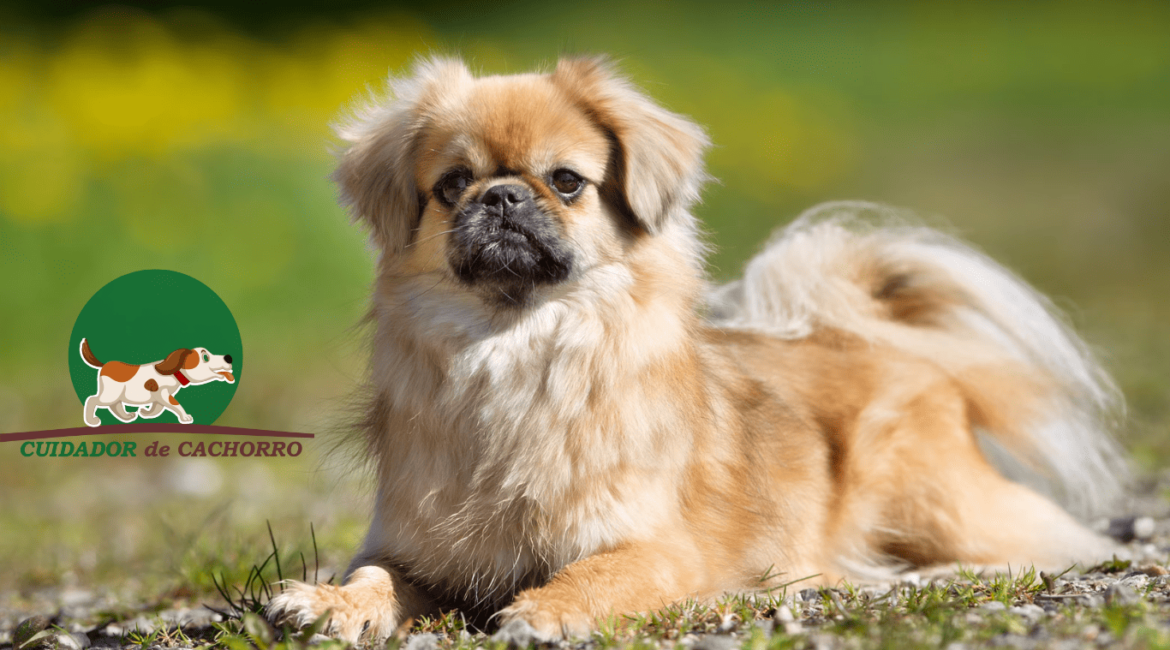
88, 355
1032, 385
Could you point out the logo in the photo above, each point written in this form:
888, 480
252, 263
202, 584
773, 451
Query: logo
154, 352
155, 345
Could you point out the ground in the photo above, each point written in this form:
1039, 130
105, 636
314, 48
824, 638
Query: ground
1123, 603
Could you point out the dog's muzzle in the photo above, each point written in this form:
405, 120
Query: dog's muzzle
505, 239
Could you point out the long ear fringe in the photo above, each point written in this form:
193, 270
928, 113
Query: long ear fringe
375, 172
658, 163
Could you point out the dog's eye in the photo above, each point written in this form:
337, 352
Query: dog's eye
452, 185
567, 182
206, 358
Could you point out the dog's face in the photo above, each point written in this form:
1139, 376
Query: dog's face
512, 187
512, 180
202, 366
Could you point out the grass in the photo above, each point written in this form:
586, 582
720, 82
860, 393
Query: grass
1039, 133
968, 607
959, 609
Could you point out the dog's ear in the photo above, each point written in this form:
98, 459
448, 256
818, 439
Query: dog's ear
173, 362
656, 167
376, 170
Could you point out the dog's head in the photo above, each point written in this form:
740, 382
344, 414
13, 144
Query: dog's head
198, 365
507, 187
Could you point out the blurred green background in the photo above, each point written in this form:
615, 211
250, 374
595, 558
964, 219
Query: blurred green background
197, 139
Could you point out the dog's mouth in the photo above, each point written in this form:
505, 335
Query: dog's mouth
509, 253
228, 376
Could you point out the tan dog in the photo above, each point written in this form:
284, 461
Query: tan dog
569, 423
151, 386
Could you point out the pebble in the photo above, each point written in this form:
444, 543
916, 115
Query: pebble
426, 641
993, 606
1091, 600
1121, 594
1028, 611
784, 615
186, 617
716, 642
1127, 529
27, 629
75, 641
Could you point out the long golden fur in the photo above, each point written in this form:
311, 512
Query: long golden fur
568, 422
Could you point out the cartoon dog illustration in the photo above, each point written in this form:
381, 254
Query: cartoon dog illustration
152, 386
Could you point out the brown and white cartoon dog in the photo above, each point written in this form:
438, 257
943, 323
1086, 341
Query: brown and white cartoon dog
152, 386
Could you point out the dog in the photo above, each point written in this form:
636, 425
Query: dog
568, 422
151, 386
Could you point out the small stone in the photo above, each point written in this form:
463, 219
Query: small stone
993, 606
784, 614
1120, 594
1143, 528
425, 641
810, 594
76, 641
1127, 529
1028, 611
716, 642
1154, 570
27, 629
1090, 600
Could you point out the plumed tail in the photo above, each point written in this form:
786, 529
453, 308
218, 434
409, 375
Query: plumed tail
88, 355
1032, 385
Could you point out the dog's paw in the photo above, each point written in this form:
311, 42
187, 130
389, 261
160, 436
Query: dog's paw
361, 609
186, 419
548, 621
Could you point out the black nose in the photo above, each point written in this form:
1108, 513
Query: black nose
505, 196
227, 357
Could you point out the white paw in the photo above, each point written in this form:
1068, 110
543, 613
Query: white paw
356, 611
186, 419
95, 421
547, 623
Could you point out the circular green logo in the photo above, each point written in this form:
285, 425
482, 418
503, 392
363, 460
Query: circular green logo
155, 346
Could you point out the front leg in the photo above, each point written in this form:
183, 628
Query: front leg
374, 601
635, 577
171, 404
